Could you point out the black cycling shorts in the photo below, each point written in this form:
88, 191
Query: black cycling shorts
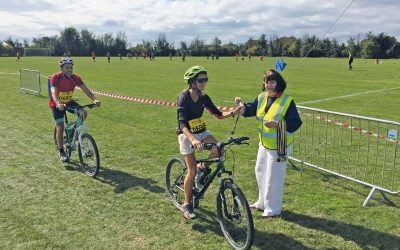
59, 115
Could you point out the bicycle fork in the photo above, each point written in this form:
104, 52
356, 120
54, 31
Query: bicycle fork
83, 151
221, 182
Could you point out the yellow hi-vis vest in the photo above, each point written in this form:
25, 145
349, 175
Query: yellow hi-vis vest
277, 111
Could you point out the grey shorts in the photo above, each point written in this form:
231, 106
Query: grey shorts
184, 142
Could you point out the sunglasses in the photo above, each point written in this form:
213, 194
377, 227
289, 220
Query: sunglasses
270, 82
202, 80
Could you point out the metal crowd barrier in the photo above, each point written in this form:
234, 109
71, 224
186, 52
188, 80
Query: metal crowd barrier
29, 81
357, 148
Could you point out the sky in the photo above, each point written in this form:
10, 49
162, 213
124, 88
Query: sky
183, 20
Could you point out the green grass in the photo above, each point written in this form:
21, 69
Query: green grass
47, 204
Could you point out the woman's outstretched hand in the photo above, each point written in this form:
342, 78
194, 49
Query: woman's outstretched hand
240, 108
238, 101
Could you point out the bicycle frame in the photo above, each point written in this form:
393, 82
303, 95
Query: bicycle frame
217, 172
79, 129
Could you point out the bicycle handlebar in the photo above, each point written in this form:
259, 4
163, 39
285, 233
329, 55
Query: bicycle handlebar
92, 105
221, 145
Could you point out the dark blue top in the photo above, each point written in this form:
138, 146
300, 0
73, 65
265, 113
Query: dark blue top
188, 109
292, 118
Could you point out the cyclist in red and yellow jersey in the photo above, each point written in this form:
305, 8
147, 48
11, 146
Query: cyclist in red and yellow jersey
62, 89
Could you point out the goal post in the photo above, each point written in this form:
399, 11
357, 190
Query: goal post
29, 81
37, 52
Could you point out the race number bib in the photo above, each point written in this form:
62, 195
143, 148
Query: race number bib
65, 97
197, 124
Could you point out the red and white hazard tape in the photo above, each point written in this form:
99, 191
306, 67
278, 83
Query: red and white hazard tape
147, 101
173, 104
345, 125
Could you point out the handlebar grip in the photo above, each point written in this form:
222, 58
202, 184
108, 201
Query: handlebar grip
206, 146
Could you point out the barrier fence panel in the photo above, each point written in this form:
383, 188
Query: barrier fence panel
30, 81
357, 148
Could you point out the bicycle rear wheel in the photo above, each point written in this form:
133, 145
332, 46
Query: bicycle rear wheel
234, 216
89, 155
66, 143
174, 177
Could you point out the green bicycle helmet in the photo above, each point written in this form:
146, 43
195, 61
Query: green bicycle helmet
192, 72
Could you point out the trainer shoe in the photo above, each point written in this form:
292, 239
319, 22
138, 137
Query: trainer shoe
187, 211
63, 156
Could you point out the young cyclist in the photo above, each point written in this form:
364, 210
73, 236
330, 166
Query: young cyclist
192, 128
62, 90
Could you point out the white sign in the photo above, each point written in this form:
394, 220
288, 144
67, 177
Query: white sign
392, 134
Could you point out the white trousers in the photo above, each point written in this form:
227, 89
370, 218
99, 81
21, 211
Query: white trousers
270, 176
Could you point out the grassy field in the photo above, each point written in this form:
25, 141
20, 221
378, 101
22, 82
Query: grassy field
47, 204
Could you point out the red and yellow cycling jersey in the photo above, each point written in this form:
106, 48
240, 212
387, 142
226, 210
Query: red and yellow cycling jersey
66, 87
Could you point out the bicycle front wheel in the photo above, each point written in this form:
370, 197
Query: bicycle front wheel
174, 177
234, 216
89, 155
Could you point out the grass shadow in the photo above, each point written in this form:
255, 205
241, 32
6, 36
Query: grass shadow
262, 240
363, 237
123, 181
72, 165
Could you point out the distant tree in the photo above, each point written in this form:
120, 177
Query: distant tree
10, 42
88, 42
216, 44
162, 45
370, 49
262, 45
70, 40
198, 47
84, 42
386, 44
293, 49
26, 43
120, 43
229, 49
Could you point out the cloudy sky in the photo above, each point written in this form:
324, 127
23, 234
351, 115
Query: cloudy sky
231, 20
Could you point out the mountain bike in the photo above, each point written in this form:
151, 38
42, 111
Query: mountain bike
233, 211
76, 135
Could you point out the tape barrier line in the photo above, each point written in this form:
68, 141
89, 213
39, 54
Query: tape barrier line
146, 101
345, 125
173, 104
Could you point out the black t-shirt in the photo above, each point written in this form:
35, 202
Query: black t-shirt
188, 110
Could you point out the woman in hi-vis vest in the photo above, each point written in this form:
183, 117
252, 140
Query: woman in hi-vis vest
277, 118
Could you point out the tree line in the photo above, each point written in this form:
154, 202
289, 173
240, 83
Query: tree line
82, 43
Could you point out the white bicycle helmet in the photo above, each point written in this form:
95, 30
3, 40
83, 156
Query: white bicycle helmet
65, 60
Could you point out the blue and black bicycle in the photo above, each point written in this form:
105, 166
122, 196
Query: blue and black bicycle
234, 215
76, 136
